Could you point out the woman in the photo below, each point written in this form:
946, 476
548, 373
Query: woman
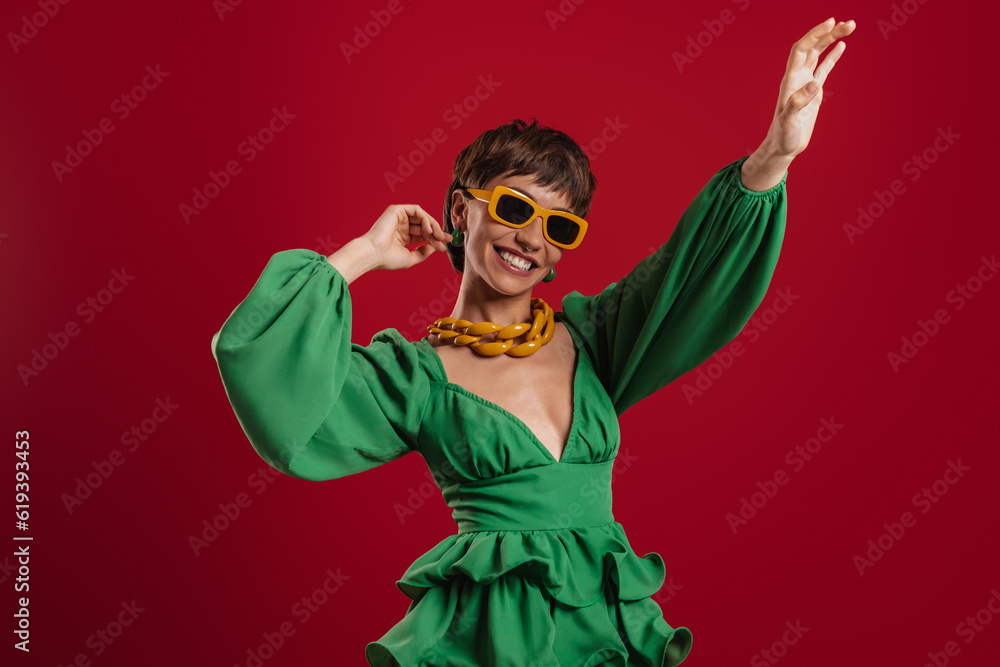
517, 422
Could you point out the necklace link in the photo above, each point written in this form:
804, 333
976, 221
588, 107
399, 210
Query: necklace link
463, 332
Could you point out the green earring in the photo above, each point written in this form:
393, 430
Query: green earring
457, 237
551, 276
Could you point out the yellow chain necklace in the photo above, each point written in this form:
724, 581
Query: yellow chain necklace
464, 332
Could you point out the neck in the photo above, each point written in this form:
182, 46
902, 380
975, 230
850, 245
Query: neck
479, 302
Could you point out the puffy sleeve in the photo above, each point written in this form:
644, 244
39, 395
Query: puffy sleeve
690, 297
313, 404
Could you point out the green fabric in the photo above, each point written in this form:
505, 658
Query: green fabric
539, 573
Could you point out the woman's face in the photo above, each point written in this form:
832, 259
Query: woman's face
486, 239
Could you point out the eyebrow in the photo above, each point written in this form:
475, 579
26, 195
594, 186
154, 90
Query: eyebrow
532, 197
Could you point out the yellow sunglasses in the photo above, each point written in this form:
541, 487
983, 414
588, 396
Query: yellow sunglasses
516, 210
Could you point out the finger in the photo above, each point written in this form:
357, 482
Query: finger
424, 229
416, 224
426, 226
404, 214
416, 213
801, 98
416, 234
827, 65
420, 253
437, 230
840, 30
845, 28
430, 234
418, 231
800, 49
434, 242
403, 219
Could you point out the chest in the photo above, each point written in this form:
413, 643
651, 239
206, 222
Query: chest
537, 389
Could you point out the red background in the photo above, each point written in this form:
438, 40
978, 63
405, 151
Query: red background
322, 182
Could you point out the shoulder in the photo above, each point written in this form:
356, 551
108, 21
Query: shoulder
390, 348
391, 341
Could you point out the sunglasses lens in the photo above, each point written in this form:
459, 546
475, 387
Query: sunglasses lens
517, 211
514, 210
563, 230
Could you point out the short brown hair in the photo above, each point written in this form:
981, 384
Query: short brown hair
518, 148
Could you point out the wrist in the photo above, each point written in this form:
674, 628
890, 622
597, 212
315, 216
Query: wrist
764, 169
371, 258
355, 258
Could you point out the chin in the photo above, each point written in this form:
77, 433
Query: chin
505, 283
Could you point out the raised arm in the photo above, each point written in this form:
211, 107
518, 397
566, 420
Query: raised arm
313, 404
690, 297
800, 96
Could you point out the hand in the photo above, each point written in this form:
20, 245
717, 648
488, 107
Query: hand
797, 108
402, 225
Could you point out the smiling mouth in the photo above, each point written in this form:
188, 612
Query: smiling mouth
500, 253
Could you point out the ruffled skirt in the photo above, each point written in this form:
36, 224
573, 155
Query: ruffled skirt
569, 598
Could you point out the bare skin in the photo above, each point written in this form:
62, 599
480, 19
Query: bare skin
796, 109
538, 388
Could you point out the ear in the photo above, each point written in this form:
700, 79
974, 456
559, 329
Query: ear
459, 209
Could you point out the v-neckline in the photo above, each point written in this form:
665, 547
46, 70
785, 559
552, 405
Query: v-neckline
574, 421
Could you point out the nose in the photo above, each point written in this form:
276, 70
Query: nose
532, 235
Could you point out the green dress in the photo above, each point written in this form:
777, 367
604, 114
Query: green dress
539, 573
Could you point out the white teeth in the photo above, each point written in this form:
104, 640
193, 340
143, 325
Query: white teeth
516, 261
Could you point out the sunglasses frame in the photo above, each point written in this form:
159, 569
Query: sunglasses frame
493, 197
